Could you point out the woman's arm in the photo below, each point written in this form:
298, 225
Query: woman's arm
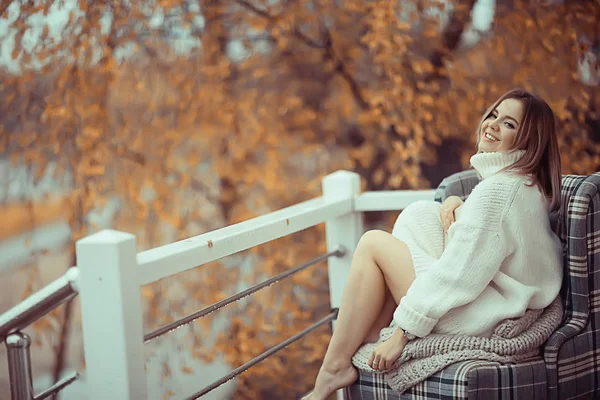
478, 247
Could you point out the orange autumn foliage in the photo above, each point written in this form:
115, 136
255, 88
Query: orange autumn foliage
272, 97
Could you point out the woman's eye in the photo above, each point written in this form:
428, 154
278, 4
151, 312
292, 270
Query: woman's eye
511, 126
491, 115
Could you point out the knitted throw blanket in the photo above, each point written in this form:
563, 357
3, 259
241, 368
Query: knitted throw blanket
513, 340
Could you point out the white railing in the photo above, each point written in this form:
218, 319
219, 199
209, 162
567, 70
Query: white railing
18, 343
112, 272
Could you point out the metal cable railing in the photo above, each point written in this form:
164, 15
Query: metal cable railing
58, 386
65, 288
18, 343
330, 317
339, 252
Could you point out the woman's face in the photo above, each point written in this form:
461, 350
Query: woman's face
499, 129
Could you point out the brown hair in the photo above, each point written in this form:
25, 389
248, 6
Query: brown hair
537, 136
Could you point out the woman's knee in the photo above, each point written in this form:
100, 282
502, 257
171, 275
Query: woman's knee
381, 245
370, 239
377, 242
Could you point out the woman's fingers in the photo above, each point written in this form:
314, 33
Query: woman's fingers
448, 216
375, 365
379, 362
374, 360
383, 356
447, 219
387, 365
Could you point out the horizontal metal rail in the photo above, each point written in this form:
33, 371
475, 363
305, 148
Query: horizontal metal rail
39, 303
58, 386
330, 317
339, 252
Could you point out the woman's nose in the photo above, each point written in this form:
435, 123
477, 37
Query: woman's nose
494, 125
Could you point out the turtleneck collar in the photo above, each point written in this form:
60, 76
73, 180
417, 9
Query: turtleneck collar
487, 164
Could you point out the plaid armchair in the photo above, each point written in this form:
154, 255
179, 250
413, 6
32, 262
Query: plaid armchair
569, 366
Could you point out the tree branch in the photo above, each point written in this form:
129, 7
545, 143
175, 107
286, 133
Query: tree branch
254, 9
354, 87
343, 70
4, 6
327, 46
453, 32
298, 33
61, 352
295, 32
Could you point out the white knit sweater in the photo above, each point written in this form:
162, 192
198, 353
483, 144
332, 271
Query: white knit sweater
500, 259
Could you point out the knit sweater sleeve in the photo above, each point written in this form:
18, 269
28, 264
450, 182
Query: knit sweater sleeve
473, 256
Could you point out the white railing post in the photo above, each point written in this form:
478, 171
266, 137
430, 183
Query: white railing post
113, 337
345, 230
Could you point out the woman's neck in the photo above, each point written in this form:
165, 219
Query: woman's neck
487, 164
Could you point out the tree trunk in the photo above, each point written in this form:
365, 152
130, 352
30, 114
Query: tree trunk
451, 36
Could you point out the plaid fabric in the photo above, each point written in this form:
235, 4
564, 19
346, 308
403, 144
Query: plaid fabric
459, 184
464, 380
571, 353
571, 361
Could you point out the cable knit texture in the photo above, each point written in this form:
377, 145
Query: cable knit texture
513, 341
498, 260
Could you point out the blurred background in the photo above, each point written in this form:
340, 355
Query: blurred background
171, 118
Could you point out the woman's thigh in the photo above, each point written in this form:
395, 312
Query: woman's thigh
393, 258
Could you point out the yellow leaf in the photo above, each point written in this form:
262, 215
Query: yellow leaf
96, 170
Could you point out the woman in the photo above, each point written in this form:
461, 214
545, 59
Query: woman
460, 273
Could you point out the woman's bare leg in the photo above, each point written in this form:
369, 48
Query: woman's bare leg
383, 319
380, 261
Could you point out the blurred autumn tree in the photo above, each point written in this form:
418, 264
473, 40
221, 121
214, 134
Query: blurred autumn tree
267, 98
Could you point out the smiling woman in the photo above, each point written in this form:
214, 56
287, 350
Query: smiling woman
500, 257
499, 129
520, 121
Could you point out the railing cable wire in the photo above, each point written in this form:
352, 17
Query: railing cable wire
58, 386
330, 317
338, 252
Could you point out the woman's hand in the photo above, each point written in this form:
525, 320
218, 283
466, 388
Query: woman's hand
447, 211
387, 352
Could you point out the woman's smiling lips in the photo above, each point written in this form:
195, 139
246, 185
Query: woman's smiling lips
490, 138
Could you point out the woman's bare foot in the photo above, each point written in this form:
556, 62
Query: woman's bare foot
331, 379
